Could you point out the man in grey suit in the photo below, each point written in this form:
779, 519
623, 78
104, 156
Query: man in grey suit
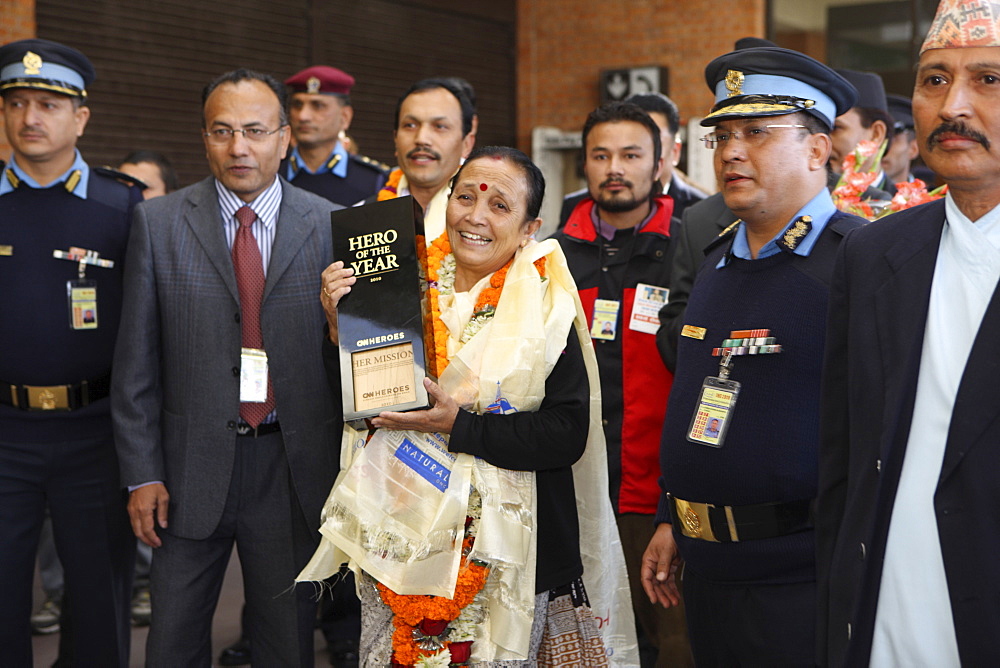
231, 263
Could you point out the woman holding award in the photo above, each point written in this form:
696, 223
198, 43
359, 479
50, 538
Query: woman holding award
465, 521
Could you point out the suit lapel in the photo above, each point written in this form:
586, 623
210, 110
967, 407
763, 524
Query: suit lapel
901, 315
205, 220
977, 405
293, 230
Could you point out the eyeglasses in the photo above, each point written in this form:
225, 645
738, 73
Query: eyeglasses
753, 135
225, 135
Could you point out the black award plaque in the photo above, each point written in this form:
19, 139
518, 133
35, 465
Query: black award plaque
382, 362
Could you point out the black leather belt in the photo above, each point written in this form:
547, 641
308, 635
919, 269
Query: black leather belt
243, 429
55, 397
730, 524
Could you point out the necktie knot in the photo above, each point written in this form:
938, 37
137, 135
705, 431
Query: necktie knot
246, 216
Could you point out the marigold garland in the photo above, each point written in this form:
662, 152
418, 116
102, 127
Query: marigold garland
410, 610
439, 255
391, 188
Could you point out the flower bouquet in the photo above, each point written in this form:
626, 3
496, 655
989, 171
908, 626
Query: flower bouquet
860, 169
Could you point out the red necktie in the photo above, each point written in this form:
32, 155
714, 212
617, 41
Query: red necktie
250, 281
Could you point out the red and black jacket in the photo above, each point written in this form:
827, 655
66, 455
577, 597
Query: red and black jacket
634, 381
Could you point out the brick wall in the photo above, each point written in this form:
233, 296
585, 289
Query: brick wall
564, 44
17, 21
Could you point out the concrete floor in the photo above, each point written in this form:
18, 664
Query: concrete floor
225, 627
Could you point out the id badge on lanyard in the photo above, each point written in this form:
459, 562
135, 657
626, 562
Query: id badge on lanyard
714, 410
81, 292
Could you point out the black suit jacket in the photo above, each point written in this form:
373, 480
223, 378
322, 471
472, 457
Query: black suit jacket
878, 311
700, 225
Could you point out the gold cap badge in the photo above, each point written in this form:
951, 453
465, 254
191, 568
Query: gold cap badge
312, 85
734, 82
32, 63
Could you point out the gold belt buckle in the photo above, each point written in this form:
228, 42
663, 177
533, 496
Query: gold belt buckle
48, 398
694, 520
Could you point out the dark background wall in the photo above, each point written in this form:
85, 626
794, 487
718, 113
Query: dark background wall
154, 57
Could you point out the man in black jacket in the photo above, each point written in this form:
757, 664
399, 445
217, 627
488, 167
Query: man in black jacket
907, 521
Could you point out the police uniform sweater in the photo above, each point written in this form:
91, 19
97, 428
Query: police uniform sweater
770, 453
634, 381
39, 347
364, 178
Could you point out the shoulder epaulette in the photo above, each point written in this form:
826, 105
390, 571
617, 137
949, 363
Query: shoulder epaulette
127, 179
723, 236
371, 162
114, 188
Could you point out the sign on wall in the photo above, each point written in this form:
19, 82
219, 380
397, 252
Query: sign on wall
620, 84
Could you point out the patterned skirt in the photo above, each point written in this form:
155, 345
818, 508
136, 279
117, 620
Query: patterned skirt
564, 632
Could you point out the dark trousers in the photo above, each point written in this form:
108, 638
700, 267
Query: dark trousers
263, 517
340, 614
750, 625
78, 481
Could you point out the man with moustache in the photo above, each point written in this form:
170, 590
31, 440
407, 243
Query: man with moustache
63, 231
617, 243
907, 514
226, 428
701, 224
436, 126
320, 113
736, 506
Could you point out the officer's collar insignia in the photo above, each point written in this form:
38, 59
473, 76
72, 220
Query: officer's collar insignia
796, 233
294, 162
333, 161
74, 180
312, 85
32, 63
734, 82
12, 178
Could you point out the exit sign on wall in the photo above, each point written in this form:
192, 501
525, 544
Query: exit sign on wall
622, 83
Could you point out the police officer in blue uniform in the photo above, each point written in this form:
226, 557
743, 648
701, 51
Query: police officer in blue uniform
320, 113
740, 445
63, 231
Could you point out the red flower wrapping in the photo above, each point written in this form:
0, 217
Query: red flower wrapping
460, 651
433, 627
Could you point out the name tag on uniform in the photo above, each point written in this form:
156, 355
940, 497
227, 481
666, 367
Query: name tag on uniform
253, 375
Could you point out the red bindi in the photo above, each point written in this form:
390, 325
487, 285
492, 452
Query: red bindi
483, 187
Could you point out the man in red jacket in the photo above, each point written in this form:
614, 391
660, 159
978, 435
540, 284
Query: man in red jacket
617, 243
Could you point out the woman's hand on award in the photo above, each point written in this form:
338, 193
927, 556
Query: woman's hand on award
337, 282
438, 418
